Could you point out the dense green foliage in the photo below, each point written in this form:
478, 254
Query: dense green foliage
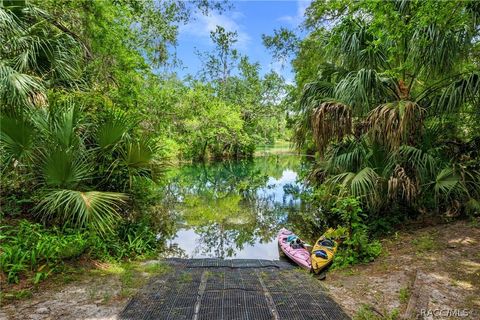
389, 100
357, 247
225, 113
322, 209
90, 115
30, 249
75, 170
194, 122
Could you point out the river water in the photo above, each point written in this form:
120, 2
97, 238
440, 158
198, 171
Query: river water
234, 209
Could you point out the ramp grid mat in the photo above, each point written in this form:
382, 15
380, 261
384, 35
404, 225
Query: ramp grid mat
215, 289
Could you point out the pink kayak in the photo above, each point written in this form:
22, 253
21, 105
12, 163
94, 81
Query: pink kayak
301, 256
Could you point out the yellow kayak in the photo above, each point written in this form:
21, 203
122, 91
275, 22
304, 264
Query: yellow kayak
323, 252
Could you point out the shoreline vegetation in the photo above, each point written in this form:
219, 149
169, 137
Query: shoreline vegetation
384, 103
446, 261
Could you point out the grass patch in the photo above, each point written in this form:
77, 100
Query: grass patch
156, 268
425, 243
404, 295
133, 275
114, 268
127, 277
367, 312
185, 278
15, 295
350, 271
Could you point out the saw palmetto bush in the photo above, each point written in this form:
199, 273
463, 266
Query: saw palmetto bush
76, 167
75, 175
396, 96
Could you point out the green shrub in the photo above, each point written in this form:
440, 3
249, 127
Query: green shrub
29, 247
131, 239
352, 224
80, 170
357, 247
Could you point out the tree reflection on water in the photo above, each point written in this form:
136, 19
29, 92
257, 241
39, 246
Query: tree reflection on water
233, 209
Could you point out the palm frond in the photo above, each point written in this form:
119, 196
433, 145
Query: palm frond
65, 64
330, 72
424, 164
34, 55
344, 178
314, 93
64, 169
20, 89
331, 121
435, 50
397, 123
357, 49
95, 210
401, 185
8, 24
471, 180
114, 129
349, 155
139, 154
372, 57
448, 184
322, 89
16, 135
59, 124
365, 184
457, 93
362, 89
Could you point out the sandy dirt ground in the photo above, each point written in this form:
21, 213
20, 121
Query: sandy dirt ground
99, 293
94, 298
436, 269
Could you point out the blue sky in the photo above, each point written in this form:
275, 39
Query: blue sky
250, 19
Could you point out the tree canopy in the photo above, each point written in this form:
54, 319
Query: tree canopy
388, 97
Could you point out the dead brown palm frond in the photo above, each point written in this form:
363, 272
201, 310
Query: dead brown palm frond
360, 128
38, 99
396, 123
402, 90
453, 209
401, 185
331, 121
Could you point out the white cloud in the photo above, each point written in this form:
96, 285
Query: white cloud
282, 69
277, 66
202, 25
297, 19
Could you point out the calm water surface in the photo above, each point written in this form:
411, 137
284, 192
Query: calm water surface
234, 209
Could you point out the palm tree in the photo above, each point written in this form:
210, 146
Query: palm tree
34, 55
73, 167
379, 96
